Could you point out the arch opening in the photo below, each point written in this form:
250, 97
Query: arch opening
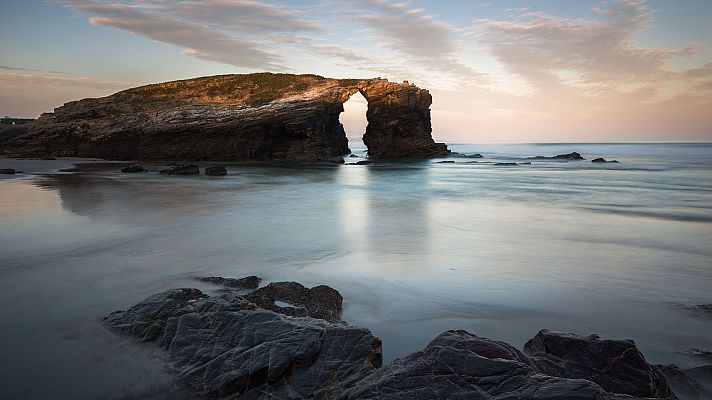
354, 121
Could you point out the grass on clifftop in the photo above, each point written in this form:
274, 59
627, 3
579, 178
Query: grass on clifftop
250, 89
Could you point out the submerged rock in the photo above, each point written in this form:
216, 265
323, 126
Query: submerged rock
9, 171
603, 161
506, 164
133, 169
704, 310
217, 170
181, 169
362, 162
320, 301
249, 282
446, 162
573, 156
616, 365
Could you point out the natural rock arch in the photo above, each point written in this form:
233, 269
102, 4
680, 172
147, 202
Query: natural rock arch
260, 116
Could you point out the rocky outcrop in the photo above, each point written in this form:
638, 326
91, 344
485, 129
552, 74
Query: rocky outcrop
132, 169
181, 169
226, 346
616, 365
574, 156
216, 170
248, 282
230, 346
235, 117
602, 160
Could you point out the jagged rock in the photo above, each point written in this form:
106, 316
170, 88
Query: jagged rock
603, 161
133, 169
225, 346
261, 116
689, 384
616, 365
8, 171
570, 156
506, 164
249, 282
460, 155
217, 170
182, 169
458, 365
318, 302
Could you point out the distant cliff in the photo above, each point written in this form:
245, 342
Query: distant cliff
261, 116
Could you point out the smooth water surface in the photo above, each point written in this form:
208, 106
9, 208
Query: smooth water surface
414, 247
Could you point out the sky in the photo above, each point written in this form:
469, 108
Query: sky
499, 71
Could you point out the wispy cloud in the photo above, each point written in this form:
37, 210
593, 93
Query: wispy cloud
229, 32
19, 79
12, 68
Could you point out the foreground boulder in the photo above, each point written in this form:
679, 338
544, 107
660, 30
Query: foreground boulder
226, 346
615, 365
231, 346
249, 282
459, 365
260, 116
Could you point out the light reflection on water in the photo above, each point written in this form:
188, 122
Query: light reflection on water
415, 248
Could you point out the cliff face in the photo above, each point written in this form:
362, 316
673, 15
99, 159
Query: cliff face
234, 117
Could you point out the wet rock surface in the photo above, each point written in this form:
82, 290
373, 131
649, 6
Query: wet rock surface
226, 346
320, 301
260, 116
181, 169
233, 346
615, 365
248, 282
217, 170
133, 169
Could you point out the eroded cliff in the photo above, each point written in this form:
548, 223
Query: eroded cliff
260, 116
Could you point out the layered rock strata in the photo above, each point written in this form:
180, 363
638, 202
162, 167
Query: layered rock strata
260, 116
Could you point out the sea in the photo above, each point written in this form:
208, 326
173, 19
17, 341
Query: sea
415, 248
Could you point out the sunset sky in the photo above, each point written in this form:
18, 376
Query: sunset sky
499, 71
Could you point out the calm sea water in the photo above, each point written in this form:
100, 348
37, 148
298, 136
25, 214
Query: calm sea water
415, 248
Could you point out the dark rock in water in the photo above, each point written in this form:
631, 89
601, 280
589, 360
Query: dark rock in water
603, 161
526, 163
574, 156
133, 169
261, 116
227, 347
337, 160
320, 302
353, 156
182, 169
8, 171
704, 310
446, 162
458, 365
704, 353
362, 162
616, 365
460, 155
217, 170
472, 162
506, 164
249, 282
689, 384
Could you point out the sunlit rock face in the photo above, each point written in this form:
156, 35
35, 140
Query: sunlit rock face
260, 116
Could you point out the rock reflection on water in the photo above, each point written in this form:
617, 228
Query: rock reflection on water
415, 249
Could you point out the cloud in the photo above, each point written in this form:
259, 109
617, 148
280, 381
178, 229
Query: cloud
594, 57
19, 79
228, 32
424, 40
11, 68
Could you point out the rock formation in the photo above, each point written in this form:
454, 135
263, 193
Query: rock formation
260, 116
230, 346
